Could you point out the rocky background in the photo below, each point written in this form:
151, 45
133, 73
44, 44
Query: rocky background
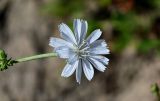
27, 25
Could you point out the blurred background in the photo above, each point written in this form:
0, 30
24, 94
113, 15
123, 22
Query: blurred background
130, 27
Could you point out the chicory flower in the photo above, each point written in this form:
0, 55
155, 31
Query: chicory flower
82, 53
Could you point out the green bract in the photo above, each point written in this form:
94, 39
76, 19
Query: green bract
4, 62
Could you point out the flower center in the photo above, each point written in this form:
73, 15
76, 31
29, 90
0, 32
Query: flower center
82, 50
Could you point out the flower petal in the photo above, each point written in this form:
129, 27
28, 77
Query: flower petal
98, 65
77, 28
101, 59
69, 69
79, 72
98, 43
88, 69
64, 52
66, 33
94, 36
99, 50
83, 30
56, 42
72, 58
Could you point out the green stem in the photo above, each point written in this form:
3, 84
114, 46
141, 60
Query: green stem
36, 57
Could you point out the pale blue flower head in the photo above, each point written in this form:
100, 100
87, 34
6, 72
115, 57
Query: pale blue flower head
82, 53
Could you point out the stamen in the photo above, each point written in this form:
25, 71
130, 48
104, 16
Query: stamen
82, 50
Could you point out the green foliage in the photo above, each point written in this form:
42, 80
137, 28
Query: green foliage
4, 62
156, 91
155, 3
104, 2
2, 55
63, 8
125, 24
146, 45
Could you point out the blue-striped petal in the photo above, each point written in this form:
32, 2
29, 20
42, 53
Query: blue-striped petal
101, 59
72, 58
69, 69
57, 42
88, 69
83, 30
66, 33
99, 50
77, 25
94, 36
79, 72
98, 43
64, 52
98, 65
